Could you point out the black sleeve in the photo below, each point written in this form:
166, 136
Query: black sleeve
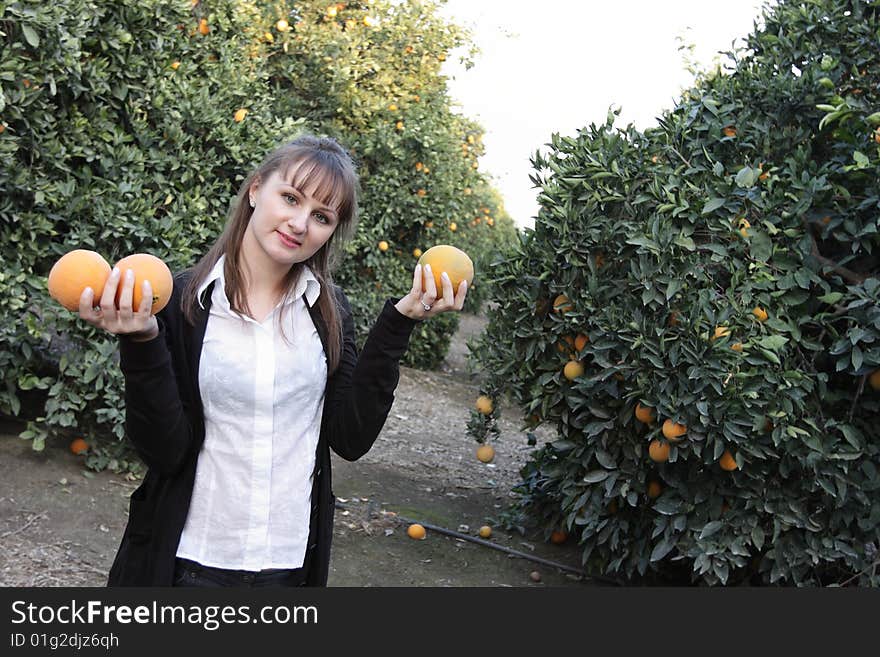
360, 393
156, 418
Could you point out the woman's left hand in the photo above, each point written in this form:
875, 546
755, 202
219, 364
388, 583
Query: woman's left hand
424, 303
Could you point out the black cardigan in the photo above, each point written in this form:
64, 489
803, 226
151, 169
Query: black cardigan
164, 420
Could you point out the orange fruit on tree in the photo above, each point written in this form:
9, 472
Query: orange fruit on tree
558, 536
654, 489
673, 431
175, 65
874, 379
485, 453
399, 125
720, 332
203, 26
453, 226
645, 414
565, 344
737, 346
581, 341
417, 253
729, 131
73, 273
658, 451
416, 531
240, 114
282, 25
485, 531
760, 313
450, 259
727, 462
78, 446
383, 245
484, 405
573, 369
562, 304
147, 267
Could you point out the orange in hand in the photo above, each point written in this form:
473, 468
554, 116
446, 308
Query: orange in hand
73, 273
150, 268
445, 258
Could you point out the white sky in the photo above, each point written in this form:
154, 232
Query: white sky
556, 66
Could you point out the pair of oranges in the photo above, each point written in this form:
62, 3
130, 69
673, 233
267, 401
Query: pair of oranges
82, 268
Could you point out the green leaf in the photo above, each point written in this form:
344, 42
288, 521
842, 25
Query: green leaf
713, 203
710, 528
685, 243
595, 476
773, 342
758, 537
861, 159
761, 247
30, 36
769, 355
662, 548
746, 177
831, 298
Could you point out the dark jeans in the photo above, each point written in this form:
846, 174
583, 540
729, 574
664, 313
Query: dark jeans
191, 573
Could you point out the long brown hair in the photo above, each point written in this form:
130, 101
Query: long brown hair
318, 161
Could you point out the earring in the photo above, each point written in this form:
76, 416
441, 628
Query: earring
253, 204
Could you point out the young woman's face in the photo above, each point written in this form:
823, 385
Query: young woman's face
288, 225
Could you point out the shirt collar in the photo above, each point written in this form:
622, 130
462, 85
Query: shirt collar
307, 283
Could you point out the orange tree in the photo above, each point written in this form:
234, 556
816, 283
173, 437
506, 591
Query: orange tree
721, 267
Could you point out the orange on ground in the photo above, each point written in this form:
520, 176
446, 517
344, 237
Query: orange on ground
485, 531
760, 314
484, 405
445, 258
562, 304
654, 489
645, 414
78, 446
727, 462
874, 379
147, 267
673, 431
558, 536
573, 369
73, 273
416, 531
383, 245
485, 453
658, 451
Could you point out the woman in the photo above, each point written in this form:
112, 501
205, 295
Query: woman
236, 391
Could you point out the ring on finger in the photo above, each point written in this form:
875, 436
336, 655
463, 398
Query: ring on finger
426, 306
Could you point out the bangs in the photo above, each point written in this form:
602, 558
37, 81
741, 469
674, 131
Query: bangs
322, 178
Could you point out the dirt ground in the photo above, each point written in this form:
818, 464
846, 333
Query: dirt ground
60, 525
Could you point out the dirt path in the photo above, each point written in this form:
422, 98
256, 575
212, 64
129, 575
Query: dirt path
60, 525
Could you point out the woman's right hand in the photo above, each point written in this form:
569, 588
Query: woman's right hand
139, 325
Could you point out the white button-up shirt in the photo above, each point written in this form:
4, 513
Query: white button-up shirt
263, 398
